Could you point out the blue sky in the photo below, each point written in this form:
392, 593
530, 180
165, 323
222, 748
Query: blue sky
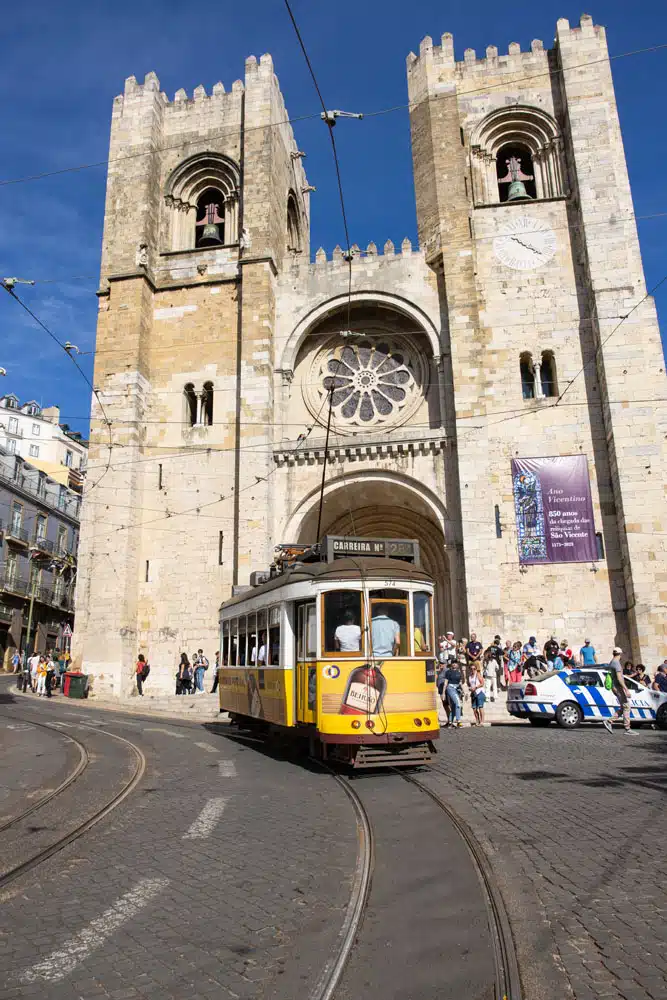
63, 63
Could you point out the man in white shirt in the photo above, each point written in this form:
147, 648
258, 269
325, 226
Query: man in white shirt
347, 637
34, 664
385, 633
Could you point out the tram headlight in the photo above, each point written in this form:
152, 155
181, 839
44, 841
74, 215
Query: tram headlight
356, 724
370, 724
427, 721
417, 722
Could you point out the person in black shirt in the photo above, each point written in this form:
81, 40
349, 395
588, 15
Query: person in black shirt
551, 648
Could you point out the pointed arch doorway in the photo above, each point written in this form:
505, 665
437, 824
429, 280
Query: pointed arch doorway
380, 506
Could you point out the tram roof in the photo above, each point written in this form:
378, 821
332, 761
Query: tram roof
368, 567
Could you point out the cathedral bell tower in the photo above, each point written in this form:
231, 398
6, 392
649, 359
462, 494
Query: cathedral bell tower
525, 211
206, 201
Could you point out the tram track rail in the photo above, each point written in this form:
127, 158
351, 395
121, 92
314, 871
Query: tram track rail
81, 766
82, 828
507, 978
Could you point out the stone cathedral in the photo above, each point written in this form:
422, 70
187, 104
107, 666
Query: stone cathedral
219, 337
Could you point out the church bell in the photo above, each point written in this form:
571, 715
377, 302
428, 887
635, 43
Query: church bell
210, 236
517, 192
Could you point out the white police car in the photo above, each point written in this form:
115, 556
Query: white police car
579, 695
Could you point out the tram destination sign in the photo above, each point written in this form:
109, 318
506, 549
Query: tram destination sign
341, 547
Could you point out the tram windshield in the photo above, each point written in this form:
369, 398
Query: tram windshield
389, 622
423, 640
342, 622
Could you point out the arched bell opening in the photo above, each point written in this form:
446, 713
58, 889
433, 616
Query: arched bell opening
210, 224
516, 174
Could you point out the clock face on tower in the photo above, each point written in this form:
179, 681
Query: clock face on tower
525, 244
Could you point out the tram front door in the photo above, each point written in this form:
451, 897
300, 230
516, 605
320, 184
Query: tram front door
306, 646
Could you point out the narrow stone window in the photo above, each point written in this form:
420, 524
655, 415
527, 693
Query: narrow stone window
599, 544
207, 405
148, 572
293, 229
516, 178
190, 399
527, 369
210, 224
221, 542
159, 477
548, 379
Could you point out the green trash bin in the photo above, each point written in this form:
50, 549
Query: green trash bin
77, 686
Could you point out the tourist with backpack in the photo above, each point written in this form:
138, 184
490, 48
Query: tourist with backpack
184, 675
142, 671
200, 664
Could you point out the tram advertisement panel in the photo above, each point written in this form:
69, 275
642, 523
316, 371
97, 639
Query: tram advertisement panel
554, 510
377, 688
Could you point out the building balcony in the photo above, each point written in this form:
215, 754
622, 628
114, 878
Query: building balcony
19, 536
42, 544
14, 585
6, 613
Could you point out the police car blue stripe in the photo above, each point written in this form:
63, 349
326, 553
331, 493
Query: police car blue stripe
598, 697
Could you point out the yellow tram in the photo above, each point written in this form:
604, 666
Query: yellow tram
339, 644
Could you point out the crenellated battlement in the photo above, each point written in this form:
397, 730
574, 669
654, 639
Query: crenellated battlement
442, 58
360, 257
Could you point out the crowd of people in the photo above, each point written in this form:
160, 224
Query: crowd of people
41, 673
468, 669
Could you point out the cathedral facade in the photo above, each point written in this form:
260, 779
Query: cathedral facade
518, 329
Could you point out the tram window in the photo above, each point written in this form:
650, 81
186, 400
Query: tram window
252, 640
307, 646
274, 637
233, 641
224, 658
342, 622
262, 628
241, 656
389, 622
423, 634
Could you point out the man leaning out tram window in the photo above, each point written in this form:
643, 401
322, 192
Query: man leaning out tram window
385, 632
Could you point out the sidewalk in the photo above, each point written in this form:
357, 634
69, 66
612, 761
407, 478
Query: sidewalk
201, 707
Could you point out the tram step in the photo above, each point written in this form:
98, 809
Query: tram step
379, 756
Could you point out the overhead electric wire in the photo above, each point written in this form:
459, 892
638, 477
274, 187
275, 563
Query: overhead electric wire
10, 291
594, 358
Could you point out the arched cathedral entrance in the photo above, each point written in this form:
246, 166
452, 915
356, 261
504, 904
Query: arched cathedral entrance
380, 506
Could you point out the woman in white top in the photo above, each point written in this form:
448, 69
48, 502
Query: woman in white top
347, 636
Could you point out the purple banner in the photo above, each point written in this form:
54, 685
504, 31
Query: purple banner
554, 510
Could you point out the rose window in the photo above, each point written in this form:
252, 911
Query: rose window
371, 381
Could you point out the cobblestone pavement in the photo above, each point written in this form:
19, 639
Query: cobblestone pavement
574, 824
172, 897
34, 761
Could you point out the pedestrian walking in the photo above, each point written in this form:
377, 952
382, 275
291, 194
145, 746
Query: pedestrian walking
50, 666
41, 676
217, 667
619, 688
477, 695
16, 662
184, 675
491, 671
453, 692
200, 664
141, 672
34, 667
